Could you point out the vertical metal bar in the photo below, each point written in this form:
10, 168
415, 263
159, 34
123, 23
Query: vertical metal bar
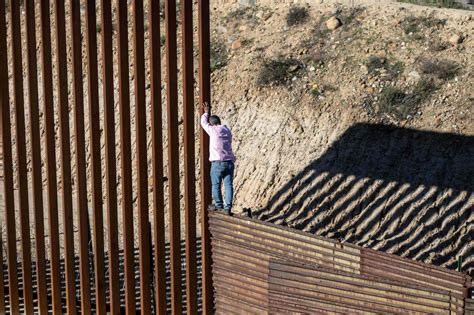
36, 157
125, 147
5, 133
110, 159
81, 181
50, 155
94, 123
157, 160
205, 96
189, 166
173, 155
18, 101
140, 128
66, 189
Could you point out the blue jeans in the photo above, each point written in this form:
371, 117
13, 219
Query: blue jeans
222, 171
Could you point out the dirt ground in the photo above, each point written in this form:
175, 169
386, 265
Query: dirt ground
364, 133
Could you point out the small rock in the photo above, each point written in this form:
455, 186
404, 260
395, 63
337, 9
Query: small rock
333, 23
236, 44
455, 39
243, 28
247, 3
293, 68
312, 68
364, 69
414, 76
266, 16
221, 29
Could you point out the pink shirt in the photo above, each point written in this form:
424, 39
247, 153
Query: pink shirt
220, 146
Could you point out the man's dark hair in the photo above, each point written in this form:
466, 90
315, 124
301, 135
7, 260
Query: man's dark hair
214, 120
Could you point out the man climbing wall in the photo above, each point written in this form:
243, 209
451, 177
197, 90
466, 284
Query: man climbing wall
222, 159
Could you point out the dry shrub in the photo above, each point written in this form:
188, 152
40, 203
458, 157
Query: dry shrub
278, 71
297, 15
399, 104
441, 69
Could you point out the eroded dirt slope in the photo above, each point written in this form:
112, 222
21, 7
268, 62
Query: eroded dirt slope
330, 149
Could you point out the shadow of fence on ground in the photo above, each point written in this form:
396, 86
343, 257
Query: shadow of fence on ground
398, 190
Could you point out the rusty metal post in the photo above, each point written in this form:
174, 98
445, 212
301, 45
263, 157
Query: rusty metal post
189, 151
81, 180
94, 126
5, 133
19, 104
50, 154
141, 143
35, 137
66, 188
173, 155
110, 159
126, 159
205, 96
157, 152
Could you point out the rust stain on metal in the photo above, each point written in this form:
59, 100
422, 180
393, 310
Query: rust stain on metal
275, 269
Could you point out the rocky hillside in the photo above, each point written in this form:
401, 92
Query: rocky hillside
353, 122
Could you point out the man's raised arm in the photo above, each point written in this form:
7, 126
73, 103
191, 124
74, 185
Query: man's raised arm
205, 118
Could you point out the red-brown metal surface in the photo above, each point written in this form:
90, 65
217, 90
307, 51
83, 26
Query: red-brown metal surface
141, 143
110, 159
189, 154
315, 287
81, 181
308, 248
205, 96
50, 155
173, 155
157, 157
32, 70
243, 248
19, 104
469, 307
125, 148
94, 127
379, 264
66, 187
5, 134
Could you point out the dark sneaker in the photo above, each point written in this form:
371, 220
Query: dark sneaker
214, 208
247, 212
